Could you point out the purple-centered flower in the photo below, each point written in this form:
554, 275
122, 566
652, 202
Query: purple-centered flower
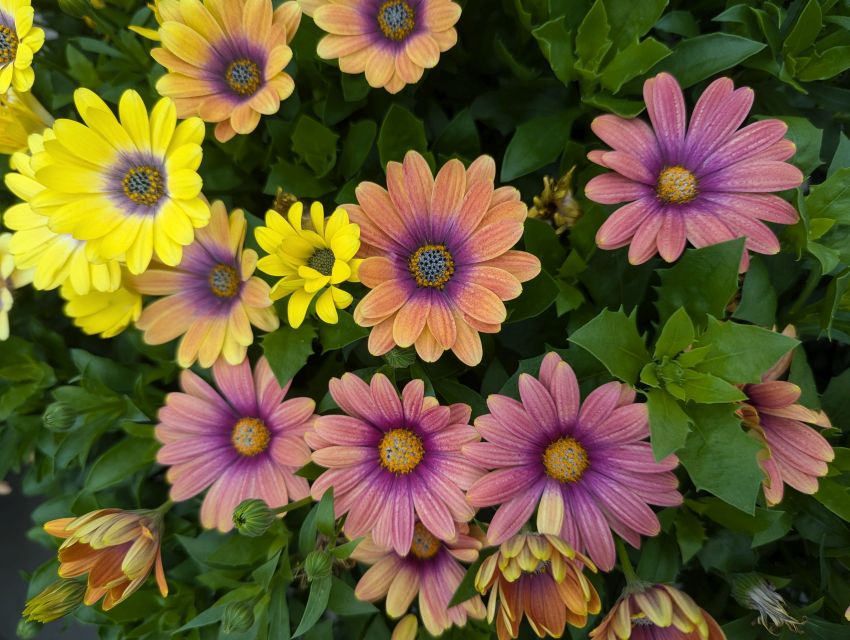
704, 182
585, 463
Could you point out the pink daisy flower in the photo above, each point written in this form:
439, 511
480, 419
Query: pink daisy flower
392, 459
705, 183
242, 440
585, 463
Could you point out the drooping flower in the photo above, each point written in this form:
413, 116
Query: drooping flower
55, 258
104, 313
586, 464
556, 204
130, 188
57, 600
390, 460
705, 182
656, 612
440, 263
226, 61
20, 115
11, 278
243, 441
116, 548
432, 569
538, 577
392, 41
794, 454
212, 298
310, 259
19, 40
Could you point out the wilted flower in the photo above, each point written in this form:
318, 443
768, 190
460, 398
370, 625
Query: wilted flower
754, 592
253, 517
57, 600
556, 204
283, 201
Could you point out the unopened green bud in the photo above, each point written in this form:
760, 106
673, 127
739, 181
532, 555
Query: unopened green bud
75, 8
318, 564
57, 600
27, 629
752, 591
238, 617
59, 416
253, 517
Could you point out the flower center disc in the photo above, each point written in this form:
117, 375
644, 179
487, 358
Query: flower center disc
8, 45
250, 437
565, 460
676, 185
224, 281
400, 451
432, 266
243, 76
143, 185
322, 261
395, 18
425, 545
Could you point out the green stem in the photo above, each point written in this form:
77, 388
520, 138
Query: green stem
626, 564
165, 507
811, 284
293, 505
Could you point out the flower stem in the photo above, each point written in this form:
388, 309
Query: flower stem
811, 284
626, 564
293, 505
165, 507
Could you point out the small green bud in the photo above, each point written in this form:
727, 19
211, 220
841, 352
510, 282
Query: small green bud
238, 617
75, 8
27, 630
59, 416
253, 517
318, 564
57, 600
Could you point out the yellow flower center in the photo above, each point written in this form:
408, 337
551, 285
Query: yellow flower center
250, 437
144, 184
224, 281
431, 265
565, 460
425, 545
8, 45
322, 261
676, 185
395, 18
243, 76
400, 451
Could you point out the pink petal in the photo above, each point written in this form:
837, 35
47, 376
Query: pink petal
630, 167
293, 415
755, 205
644, 244
671, 236
621, 225
353, 396
447, 196
666, 107
612, 188
538, 403
621, 502
599, 405
435, 418
513, 514
432, 511
623, 424
502, 485
290, 452
492, 455
237, 386
746, 143
386, 399
513, 418
411, 399
775, 393
635, 137
190, 479
719, 111
269, 392
755, 176
596, 537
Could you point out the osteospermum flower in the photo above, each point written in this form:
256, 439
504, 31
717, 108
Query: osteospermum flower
20, 115
705, 182
117, 549
129, 188
538, 577
432, 569
656, 612
441, 264
794, 454
19, 40
308, 260
586, 464
11, 278
103, 313
393, 41
392, 459
243, 441
212, 298
226, 60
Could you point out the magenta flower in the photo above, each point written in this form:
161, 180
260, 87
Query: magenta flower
705, 183
389, 459
244, 440
586, 464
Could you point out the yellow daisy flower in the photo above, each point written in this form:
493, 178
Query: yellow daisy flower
55, 258
20, 115
310, 259
10, 279
103, 313
129, 188
19, 40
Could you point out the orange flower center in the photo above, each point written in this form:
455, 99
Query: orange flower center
425, 545
322, 261
431, 265
250, 437
224, 281
144, 185
243, 76
565, 460
400, 451
395, 18
676, 185
8, 45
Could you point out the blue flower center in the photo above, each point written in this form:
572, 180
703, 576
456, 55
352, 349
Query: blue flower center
224, 281
8, 45
395, 19
322, 261
243, 76
143, 185
431, 265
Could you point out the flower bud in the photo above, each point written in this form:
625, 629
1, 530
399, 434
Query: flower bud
556, 204
75, 8
318, 565
27, 629
253, 517
238, 617
59, 416
57, 600
283, 201
752, 591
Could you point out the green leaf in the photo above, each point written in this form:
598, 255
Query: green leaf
656, 563
841, 157
828, 64
344, 551
620, 106
287, 350
669, 425
630, 20
556, 43
633, 61
357, 146
702, 282
808, 139
122, 460
805, 30
699, 58
325, 520
541, 240
297, 180
341, 334
758, 298
592, 42
81, 69
690, 534
343, 602
317, 602
537, 295
315, 144
677, 335
705, 388
452, 391
613, 339
680, 23
831, 198
401, 131
535, 144
459, 137
835, 497
741, 353
721, 458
